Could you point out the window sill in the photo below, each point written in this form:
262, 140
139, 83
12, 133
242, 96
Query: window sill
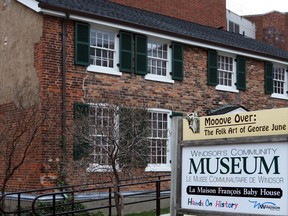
279, 96
158, 78
98, 168
103, 70
158, 168
226, 88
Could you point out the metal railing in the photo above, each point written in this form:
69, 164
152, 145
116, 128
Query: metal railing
71, 200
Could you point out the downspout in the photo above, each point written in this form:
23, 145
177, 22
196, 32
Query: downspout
64, 95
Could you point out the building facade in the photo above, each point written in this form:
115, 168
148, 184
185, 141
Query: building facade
90, 52
240, 25
271, 28
208, 12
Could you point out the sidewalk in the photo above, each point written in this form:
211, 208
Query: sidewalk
169, 215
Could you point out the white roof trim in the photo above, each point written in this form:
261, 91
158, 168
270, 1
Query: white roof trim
53, 13
176, 39
238, 110
32, 4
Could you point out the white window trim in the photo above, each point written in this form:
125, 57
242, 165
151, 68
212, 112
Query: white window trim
95, 167
103, 70
158, 168
279, 96
232, 88
168, 77
158, 78
106, 70
163, 167
226, 88
285, 95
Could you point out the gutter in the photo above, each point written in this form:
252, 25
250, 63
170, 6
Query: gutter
64, 96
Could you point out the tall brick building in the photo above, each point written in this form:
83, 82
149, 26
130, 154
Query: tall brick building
271, 28
206, 12
75, 52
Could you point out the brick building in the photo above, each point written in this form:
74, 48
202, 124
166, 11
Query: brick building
271, 28
209, 12
75, 52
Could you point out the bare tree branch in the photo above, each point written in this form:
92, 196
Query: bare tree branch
20, 126
112, 139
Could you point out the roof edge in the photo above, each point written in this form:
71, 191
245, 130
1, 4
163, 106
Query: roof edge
32, 4
80, 16
60, 11
266, 13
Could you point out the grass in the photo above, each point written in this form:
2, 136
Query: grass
149, 213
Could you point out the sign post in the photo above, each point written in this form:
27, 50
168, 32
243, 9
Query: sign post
235, 164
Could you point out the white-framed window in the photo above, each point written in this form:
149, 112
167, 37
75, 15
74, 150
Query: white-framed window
226, 72
159, 140
104, 132
103, 51
280, 81
102, 121
159, 60
234, 27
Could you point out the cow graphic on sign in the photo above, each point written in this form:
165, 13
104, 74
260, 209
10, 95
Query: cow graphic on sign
193, 121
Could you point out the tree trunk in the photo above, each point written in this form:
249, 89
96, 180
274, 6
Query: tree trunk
2, 203
118, 202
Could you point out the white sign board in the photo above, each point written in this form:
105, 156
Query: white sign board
246, 178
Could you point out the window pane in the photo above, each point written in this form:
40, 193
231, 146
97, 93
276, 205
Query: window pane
104, 43
101, 126
159, 138
225, 71
279, 80
157, 58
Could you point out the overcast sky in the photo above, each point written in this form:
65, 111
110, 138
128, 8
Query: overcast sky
248, 7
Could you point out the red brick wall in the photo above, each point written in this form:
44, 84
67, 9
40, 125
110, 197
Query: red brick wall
206, 12
14, 122
272, 28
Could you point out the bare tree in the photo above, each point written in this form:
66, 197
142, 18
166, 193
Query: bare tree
112, 139
19, 127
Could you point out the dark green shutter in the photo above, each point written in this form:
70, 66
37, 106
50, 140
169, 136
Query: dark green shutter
177, 61
141, 54
81, 146
82, 44
212, 78
241, 73
126, 52
268, 78
174, 114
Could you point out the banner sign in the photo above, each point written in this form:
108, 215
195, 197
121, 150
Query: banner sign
246, 178
258, 123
